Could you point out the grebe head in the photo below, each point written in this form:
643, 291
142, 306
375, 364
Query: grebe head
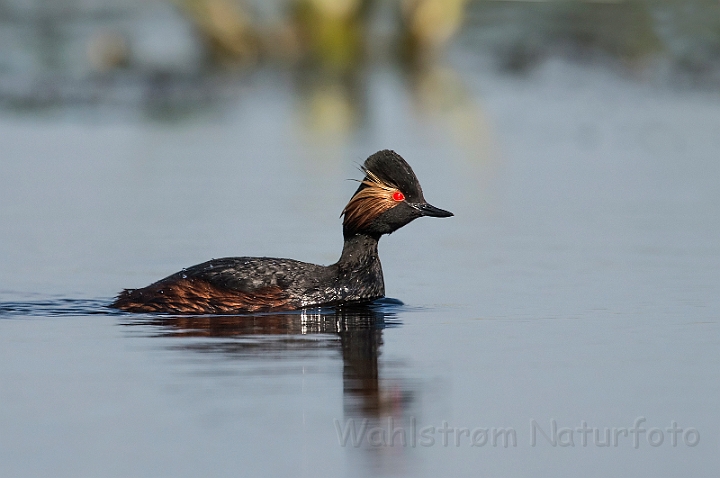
389, 197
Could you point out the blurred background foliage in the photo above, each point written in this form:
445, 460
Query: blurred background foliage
175, 54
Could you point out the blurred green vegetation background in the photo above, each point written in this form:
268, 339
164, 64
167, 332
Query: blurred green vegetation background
177, 54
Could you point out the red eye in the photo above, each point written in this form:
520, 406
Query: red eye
398, 196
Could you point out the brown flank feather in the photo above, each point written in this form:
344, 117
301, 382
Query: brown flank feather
186, 296
369, 202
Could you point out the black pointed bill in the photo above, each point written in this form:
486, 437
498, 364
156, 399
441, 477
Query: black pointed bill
432, 211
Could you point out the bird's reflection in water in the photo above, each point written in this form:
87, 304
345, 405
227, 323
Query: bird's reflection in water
356, 332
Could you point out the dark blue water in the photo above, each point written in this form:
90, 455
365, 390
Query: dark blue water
576, 288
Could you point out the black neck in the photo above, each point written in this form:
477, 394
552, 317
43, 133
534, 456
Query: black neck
358, 250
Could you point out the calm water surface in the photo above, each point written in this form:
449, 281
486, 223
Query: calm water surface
577, 284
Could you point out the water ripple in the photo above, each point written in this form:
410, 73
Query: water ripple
55, 307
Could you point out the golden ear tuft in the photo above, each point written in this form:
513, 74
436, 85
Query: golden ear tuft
368, 203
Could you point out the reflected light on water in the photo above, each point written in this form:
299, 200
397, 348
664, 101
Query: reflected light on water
355, 332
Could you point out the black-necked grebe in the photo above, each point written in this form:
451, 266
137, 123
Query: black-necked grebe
388, 198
